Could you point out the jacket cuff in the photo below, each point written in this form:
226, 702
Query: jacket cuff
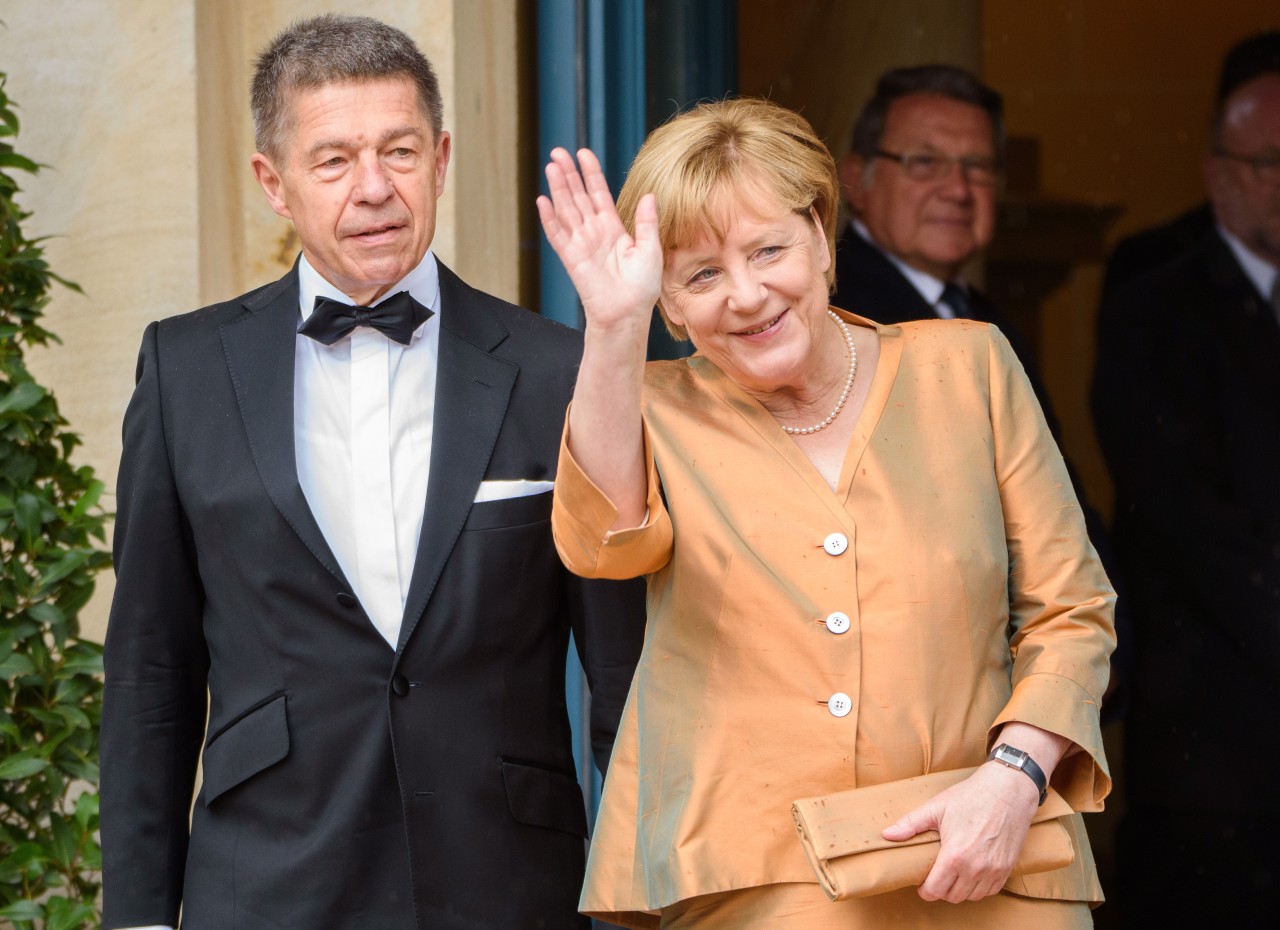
581, 517
1059, 705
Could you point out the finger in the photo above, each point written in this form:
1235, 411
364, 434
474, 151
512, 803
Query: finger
936, 884
960, 891
646, 224
596, 184
909, 824
550, 224
559, 171
574, 183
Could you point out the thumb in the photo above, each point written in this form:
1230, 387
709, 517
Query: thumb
646, 223
908, 825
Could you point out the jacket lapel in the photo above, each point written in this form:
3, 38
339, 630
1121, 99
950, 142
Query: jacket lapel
473, 387
259, 348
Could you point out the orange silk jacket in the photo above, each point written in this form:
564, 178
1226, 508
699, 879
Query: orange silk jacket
802, 641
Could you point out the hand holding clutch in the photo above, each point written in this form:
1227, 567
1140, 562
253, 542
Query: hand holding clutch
841, 836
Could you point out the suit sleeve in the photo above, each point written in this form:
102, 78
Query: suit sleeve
156, 666
1060, 601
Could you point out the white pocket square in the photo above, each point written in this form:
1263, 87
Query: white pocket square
504, 490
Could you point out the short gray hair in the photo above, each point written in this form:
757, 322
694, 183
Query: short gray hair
940, 81
329, 49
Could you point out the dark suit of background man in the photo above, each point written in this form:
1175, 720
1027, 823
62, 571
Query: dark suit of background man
387, 744
1187, 404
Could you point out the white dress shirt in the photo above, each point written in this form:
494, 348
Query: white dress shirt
363, 410
1260, 272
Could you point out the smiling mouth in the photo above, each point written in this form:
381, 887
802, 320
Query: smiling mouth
760, 329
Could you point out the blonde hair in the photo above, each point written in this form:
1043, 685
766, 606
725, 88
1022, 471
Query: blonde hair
737, 147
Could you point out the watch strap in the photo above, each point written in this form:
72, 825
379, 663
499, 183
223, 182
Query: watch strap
1017, 759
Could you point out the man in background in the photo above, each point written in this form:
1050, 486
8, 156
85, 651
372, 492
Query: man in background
334, 522
921, 180
1148, 249
1187, 404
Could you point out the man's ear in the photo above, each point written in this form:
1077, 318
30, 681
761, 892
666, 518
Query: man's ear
442, 150
853, 185
272, 184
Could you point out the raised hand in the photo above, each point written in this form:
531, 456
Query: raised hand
617, 277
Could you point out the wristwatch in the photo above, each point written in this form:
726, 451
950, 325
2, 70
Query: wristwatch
1017, 759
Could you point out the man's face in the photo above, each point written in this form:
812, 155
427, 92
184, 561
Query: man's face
1247, 205
935, 225
359, 175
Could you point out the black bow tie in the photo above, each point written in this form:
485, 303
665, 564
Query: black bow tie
396, 318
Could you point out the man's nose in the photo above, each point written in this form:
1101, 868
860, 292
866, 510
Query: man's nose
955, 182
373, 183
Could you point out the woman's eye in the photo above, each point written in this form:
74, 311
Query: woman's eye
703, 276
769, 251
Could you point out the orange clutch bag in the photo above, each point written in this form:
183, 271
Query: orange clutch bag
840, 833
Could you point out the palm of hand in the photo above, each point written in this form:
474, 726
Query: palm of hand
617, 277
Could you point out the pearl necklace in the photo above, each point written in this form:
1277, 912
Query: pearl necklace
848, 384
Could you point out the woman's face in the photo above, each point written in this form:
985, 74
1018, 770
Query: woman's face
755, 304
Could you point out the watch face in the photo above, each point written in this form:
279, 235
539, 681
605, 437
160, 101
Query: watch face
1010, 756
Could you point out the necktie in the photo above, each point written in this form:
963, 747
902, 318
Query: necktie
396, 318
954, 297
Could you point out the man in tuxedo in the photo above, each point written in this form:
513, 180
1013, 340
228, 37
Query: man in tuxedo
333, 541
1186, 399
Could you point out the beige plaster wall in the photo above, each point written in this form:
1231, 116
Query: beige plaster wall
141, 109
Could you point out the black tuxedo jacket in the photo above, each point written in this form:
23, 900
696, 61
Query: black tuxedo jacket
346, 785
1186, 398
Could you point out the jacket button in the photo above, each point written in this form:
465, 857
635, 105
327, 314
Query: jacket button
835, 543
839, 704
400, 685
345, 599
838, 622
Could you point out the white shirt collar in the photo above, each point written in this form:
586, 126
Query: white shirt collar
1258, 270
929, 287
422, 283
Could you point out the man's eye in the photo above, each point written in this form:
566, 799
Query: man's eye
922, 163
334, 162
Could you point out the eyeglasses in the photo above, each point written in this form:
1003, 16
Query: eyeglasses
930, 166
1266, 168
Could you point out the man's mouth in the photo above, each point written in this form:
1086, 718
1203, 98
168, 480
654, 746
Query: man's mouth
377, 231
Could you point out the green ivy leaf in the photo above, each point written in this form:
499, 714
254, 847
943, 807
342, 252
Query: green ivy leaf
69, 916
86, 809
23, 397
14, 665
21, 766
71, 560
64, 842
22, 910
